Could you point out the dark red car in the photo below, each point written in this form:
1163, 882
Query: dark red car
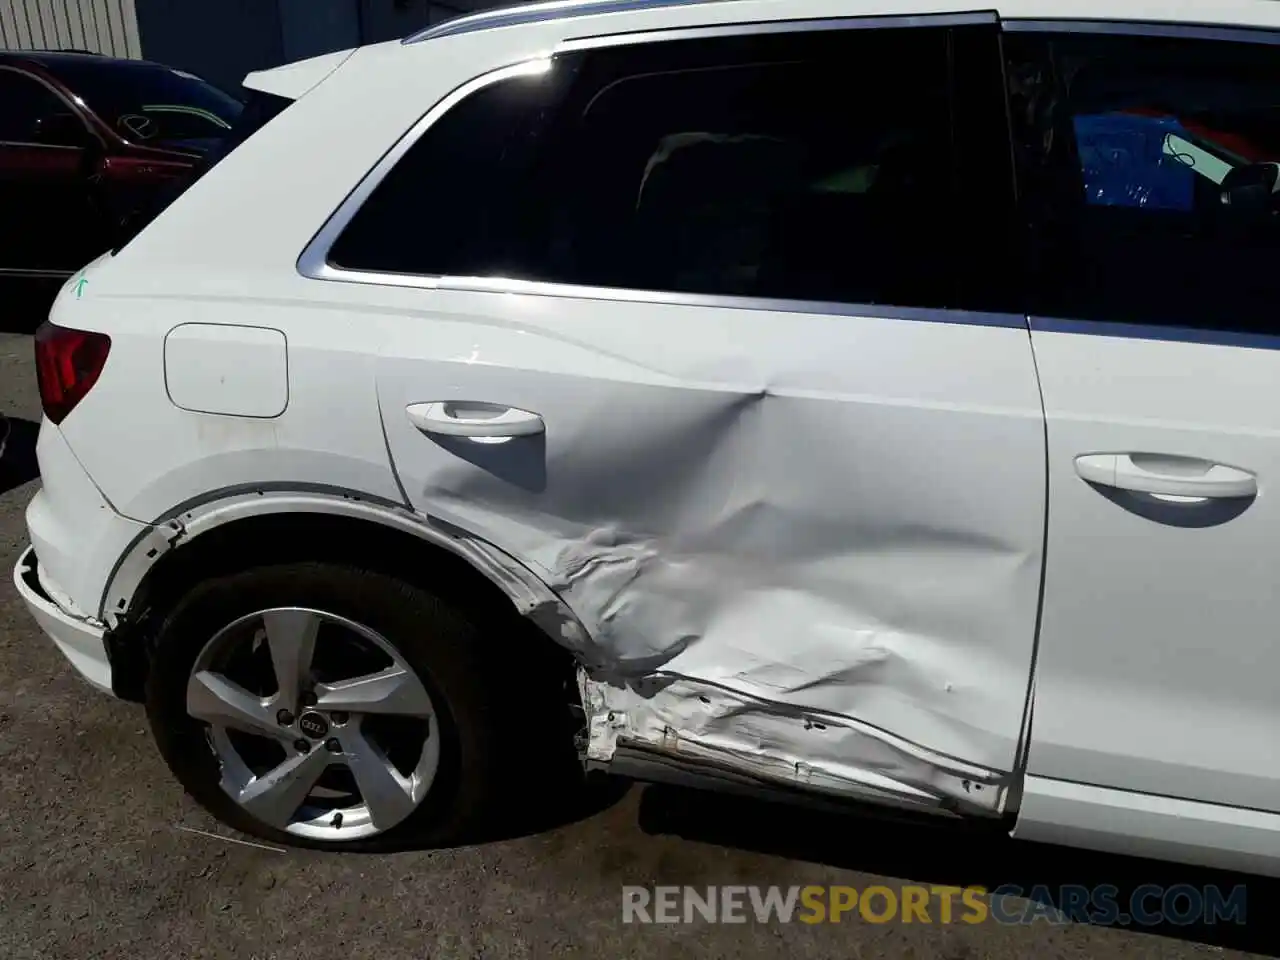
85, 141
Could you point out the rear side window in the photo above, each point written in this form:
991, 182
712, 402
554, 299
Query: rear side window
836, 166
450, 204
1151, 165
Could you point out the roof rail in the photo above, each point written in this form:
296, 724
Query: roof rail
537, 13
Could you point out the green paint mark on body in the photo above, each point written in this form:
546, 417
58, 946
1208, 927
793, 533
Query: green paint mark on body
80, 285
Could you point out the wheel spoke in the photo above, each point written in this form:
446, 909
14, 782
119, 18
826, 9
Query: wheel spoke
291, 635
394, 690
276, 796
214, 699
388, 794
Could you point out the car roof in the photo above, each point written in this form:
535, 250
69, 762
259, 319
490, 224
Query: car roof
79, 60
44, 57
1241, 13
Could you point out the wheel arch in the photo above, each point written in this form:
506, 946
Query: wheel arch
225, 532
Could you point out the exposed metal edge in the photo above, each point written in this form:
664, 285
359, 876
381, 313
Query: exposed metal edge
937, 20
948, 763
312, 263
634, 715
539, 13
651, 766
1146, 28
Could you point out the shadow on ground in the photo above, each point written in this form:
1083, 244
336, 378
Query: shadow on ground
18, 465
25, 304
541, 811
945, 854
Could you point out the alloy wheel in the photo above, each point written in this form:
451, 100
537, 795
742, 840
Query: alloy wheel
320, 726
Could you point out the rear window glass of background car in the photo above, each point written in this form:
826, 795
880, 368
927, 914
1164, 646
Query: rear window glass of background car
126, 96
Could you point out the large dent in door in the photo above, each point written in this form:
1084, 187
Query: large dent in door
763, 584
845, 522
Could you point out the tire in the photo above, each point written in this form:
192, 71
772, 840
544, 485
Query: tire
478, 687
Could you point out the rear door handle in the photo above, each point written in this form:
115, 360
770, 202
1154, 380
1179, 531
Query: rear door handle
454, 418
1167, 475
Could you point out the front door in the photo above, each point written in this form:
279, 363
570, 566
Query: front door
1156, 337
749, 394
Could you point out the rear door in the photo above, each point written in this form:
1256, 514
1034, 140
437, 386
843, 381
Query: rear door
712, 334
51, 225
1156, 308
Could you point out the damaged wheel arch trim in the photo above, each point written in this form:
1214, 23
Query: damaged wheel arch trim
622, 713
524, 588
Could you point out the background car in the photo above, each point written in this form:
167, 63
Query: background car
85, 140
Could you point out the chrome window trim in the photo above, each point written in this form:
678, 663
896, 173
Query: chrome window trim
313, 262
537, 13
1147, 28
569, 291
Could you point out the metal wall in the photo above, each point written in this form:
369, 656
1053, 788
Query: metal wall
221, 40
102, 26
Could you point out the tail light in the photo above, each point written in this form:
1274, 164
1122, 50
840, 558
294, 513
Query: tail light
68, 363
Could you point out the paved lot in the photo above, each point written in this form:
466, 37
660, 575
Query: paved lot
97, 857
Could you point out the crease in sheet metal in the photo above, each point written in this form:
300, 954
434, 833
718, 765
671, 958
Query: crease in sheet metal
841, 517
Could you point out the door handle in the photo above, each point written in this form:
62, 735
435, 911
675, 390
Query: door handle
1167, 475
452, 418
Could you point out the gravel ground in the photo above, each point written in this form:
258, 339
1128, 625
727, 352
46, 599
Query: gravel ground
101, 858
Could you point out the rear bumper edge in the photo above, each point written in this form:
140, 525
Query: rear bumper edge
80, 638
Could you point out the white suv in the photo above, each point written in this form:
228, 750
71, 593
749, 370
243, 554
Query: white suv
863, 399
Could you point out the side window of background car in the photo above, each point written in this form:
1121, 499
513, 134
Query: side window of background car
24, 104
1152, 171
805, 166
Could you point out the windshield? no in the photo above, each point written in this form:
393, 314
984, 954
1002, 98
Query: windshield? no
147, 103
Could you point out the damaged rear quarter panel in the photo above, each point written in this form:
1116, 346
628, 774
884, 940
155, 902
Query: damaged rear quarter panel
839, 515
